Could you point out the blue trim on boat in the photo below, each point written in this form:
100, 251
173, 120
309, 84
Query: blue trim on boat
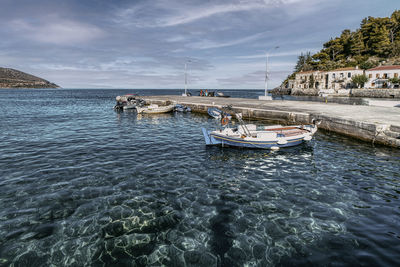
252, 144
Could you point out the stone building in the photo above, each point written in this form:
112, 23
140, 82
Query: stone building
341, 78
379, 77
308, 79
327, 80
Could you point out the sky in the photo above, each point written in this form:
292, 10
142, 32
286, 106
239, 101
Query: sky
147, 43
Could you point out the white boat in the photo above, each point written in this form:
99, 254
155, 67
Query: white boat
266, 137
130, 105
125, 102
154, 109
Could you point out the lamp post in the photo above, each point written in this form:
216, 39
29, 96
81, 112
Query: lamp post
265, 96
185, 93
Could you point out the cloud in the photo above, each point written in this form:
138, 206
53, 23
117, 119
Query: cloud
295, 52
175, 13
210, 44
204, 12
56, 31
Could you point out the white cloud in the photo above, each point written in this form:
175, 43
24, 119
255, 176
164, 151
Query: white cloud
205, 12
56, 31
296, 52
170, 13
210, 44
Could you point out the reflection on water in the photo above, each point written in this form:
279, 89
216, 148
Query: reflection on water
84, 185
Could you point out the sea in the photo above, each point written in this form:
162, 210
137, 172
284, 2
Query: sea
84, 185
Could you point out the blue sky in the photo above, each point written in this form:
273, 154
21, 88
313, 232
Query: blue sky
145, 43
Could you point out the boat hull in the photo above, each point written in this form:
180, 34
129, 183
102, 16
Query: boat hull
155, 110
217, 113
212, 138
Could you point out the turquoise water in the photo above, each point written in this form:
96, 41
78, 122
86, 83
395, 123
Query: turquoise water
81, 184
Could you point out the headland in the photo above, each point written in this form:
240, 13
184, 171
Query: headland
11, 78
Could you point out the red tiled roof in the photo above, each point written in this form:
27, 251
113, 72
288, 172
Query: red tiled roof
393, 67
309, 71
344, 69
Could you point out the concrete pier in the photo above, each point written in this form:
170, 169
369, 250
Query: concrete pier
379, 125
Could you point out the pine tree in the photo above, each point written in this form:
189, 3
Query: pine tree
357, 46
304, 62
376, 37
379, 40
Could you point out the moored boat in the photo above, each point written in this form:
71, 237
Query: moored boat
221, 94
265, 137
217, 113
128, 101
181, 108
154, 109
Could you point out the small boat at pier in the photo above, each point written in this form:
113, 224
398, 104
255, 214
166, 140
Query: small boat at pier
221, 94
128, 101
154, 109
217, 113
181, 108
264, 137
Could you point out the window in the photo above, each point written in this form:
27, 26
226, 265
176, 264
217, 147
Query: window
377, 75
333, 76
385, 75
396, 75
341, 75
370, 75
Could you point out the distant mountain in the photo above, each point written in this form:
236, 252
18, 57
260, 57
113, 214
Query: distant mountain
10, 78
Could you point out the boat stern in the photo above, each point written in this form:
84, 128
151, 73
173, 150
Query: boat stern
209, 139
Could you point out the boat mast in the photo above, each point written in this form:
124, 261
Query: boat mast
186, 78
266, 76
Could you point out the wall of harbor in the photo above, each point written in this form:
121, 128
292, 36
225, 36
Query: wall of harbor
375, 93
385, 131
367, 93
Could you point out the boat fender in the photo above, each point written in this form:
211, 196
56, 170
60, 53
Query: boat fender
307, 138
282, 141
224, 121
274, 147
243, 136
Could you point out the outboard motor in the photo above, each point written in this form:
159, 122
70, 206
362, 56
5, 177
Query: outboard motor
119, 106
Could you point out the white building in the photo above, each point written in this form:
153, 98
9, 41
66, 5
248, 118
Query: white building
379, 77
307, 79
341, 78
330, 80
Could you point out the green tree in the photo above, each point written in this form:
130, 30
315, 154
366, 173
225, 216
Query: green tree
368, 65
357, 46
394, 33
394, 80
345, 40
380, 42
376, 35
334, 48
375, 41
359, 80
304, 62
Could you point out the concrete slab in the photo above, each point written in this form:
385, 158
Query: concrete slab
370, 123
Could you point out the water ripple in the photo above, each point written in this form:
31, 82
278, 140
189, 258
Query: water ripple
83, 185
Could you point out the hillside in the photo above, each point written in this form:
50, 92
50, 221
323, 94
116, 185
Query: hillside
376, 42
10, 78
